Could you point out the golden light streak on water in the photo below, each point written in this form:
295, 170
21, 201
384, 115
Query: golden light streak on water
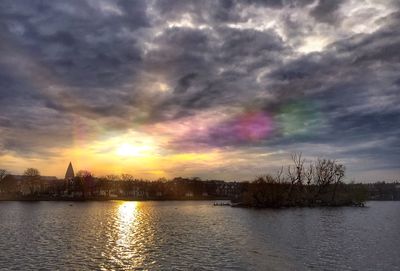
127, 216
129, 237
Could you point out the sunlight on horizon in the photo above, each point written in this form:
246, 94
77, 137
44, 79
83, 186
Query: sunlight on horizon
127, 149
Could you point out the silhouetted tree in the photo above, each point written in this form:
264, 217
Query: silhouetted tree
32, 175
319, 183
3, 174
339, 170
8, 184
125, 177
114, 178
279, 178
84, 182
295, 175
324, 175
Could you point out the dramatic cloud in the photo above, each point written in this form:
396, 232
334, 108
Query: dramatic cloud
219, 89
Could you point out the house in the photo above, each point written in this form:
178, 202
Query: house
189, 194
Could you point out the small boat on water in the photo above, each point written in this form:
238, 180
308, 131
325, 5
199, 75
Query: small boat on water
231, 204
222, 204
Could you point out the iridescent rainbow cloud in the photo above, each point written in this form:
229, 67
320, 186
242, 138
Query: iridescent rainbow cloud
293, 118
253, 126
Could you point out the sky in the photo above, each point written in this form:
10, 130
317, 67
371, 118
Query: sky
216, 89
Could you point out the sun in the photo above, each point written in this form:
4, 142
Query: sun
127, 149
313, 44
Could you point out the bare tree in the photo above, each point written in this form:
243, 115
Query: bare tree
309, 174
279, 176
339, 175
32, 175
328, 172
112, 178
127, 177
296, 173
83, 173
299, 167
84, 182
3, 174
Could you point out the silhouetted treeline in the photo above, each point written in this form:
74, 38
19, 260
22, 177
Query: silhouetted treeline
383, 191
319, 183
86, 186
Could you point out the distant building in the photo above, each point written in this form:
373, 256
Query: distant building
69, 174
189, 194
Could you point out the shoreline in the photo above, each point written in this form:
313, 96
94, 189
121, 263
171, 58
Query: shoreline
108, 199
226, 204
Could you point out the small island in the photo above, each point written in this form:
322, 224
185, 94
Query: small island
318, 183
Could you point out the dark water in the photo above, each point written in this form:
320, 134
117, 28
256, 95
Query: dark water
196, 236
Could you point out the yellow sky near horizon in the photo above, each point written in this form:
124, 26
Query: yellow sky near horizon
142, 157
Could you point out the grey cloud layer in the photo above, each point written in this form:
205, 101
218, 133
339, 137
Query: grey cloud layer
105, 60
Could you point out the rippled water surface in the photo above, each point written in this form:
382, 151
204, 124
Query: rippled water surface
118, 235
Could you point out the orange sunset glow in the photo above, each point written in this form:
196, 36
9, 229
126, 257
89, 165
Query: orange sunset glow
204, 135
216, 95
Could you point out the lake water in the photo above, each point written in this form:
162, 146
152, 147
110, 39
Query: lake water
194, 235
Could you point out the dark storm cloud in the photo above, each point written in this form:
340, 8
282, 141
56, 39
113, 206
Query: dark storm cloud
82, 45
209, 11
220, 11
354, 84
326, 11
61, 59
358, 103
121, 62
208, 68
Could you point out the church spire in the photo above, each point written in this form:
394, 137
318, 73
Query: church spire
70, 172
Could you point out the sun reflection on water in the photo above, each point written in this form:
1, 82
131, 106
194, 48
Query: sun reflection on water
128, 238
127, 226
128, 212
